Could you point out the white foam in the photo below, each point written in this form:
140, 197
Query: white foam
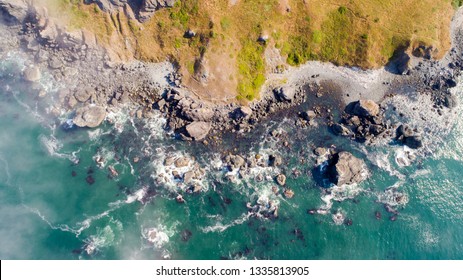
155, 236
138, 195
219, 227
53, 145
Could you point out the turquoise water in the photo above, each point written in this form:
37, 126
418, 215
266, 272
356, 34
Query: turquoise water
48, 210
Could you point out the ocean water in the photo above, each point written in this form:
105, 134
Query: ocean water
58, 199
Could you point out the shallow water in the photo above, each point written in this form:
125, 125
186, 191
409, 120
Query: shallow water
49, 210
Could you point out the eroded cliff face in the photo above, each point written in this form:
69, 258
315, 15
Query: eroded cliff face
143, 10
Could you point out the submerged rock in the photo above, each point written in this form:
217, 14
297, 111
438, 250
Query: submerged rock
198, 130
344, 168
89, 116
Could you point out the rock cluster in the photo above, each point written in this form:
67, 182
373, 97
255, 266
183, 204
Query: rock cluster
408, 136
340, 168
362, 120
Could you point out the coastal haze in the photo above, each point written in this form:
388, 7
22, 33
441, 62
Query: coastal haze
103, 159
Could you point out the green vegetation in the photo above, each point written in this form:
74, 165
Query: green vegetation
457, 3
363, 33
251, 67
342, 42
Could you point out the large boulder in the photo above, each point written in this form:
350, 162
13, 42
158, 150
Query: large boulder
13, 11
344, 168
363, 108
89, 116
198, 130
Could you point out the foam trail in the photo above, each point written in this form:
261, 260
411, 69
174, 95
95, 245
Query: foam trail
81, 226
219, 227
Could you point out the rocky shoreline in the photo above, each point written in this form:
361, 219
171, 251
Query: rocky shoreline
95, 85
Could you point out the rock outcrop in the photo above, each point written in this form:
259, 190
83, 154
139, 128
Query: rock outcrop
148, 8
89, 116
13, 11
407, 136
344, 168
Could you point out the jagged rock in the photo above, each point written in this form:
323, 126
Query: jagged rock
236, 161
245, 111
83, 95
204, 114
89, 116
308, 115
148, 7
288, 193
363, 108
181, 162
32, 74
340, 129
281, 179
320, 151
188, 176
169, 161
344, 168
198, 130
14, 11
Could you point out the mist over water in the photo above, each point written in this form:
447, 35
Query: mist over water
58, 199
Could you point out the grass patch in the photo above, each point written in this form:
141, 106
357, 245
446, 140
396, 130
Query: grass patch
457, 3
251, 68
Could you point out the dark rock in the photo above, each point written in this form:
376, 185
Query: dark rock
90, 180
189, 34
186, 235
344, 168
406, 135
275, 160
414, 142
